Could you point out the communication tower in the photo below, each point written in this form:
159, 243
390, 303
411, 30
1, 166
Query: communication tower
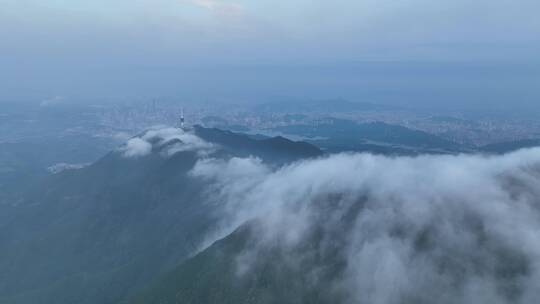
182, 120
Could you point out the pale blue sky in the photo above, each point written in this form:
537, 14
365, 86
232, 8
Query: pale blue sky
55, 37
280, 31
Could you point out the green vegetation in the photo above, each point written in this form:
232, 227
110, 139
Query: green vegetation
104, 232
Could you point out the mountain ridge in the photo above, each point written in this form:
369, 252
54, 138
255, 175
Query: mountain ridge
100, 233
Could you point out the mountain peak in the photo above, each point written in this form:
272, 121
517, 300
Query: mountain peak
211, 142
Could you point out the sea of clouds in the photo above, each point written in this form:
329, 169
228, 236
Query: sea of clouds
426, 229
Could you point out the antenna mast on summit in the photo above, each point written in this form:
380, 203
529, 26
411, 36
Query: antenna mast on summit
182, 120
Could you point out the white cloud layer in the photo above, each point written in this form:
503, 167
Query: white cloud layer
164, 137
136, 147
444, 229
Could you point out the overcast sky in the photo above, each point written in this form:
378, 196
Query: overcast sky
67, 47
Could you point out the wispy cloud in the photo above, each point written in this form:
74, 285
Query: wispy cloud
220, 7
56, 100
163, 137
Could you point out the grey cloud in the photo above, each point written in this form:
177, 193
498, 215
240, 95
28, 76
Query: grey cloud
455, 229
164, 47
